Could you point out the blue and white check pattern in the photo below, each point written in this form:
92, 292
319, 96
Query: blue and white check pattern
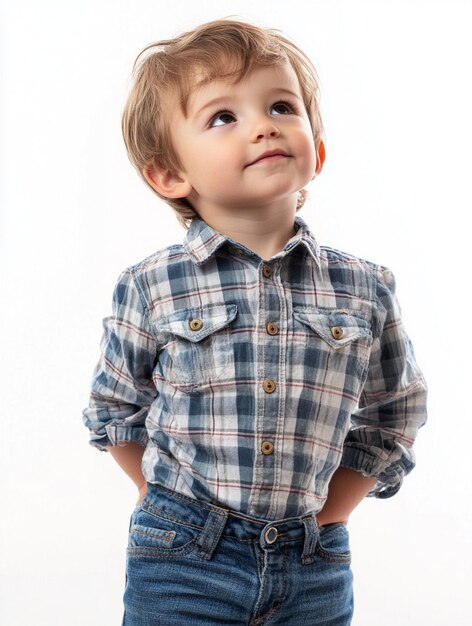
250, 381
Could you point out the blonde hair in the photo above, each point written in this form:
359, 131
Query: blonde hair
169, 67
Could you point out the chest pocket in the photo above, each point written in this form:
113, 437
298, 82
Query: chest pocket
338, 327
334, 338
198, 348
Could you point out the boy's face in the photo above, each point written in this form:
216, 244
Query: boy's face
228, 128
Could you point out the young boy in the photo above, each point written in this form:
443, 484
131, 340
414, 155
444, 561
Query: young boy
254, 385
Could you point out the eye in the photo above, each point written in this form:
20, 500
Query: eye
282, 108
221, 119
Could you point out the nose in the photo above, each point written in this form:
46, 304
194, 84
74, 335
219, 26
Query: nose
265, 128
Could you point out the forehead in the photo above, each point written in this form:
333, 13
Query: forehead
281, 75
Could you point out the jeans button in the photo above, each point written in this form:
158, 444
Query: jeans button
271, 534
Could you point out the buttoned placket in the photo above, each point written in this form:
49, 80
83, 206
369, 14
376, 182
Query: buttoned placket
270, 401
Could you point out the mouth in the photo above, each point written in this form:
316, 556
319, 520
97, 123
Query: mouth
269, 156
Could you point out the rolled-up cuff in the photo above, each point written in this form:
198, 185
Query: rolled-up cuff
118, 435
389, 477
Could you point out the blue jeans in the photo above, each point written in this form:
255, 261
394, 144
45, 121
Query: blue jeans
191, 563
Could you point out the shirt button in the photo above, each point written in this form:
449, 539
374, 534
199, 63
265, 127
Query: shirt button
272, 328
267, 271
337, 332
271, 534
195, 324
267, 447
268, 385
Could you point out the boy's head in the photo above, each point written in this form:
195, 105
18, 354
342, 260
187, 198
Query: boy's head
177, 76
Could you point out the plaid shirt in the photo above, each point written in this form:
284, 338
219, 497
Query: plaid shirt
251, 381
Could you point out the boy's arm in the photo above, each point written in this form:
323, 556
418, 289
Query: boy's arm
392, 406
122, 388
129, 458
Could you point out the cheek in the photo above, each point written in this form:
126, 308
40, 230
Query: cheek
224, 161
214, 173
308, 154
304, 141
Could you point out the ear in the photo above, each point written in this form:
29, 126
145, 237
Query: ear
320, 158
169, 184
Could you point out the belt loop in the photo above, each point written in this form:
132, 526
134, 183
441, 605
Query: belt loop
311, 539
211, 533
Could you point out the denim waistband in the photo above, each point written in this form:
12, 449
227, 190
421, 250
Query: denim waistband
217, 522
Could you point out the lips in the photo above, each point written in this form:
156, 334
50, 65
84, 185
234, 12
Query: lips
269, 153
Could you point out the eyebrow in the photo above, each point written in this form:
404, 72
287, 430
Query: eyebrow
211, 103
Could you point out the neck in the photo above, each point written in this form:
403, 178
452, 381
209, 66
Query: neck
264, 234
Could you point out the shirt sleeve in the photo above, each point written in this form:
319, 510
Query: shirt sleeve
122, 387
392, 405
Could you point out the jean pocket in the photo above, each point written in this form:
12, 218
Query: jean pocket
333, 543
197, 346
153, 533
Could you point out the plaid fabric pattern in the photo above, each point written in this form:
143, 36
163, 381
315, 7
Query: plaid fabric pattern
250, 381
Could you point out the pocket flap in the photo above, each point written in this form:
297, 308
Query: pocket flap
337, 327
197, 323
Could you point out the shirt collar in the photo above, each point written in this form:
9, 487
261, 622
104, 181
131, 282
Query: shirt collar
202, 241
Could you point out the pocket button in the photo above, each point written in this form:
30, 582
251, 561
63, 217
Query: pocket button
337, 332
195, 324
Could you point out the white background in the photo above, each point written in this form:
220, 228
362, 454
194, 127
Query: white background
396, 103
